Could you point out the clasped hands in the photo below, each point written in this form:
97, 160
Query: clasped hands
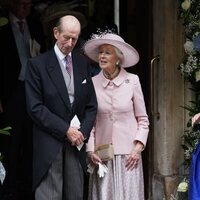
75, 136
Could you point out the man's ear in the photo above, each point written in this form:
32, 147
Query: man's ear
56, 32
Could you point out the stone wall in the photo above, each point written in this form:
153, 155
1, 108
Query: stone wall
169, 95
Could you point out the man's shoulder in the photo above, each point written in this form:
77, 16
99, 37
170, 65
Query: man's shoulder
78, 54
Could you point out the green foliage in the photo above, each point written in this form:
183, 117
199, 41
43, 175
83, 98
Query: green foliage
190, 17
191, 138
189, 13
5, 131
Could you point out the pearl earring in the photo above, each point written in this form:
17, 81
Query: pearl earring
117, 63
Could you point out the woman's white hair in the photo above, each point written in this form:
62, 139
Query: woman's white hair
119, 54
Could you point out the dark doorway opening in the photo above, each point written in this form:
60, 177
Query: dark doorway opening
136, 29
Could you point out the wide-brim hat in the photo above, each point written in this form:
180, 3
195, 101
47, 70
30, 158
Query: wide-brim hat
130, 54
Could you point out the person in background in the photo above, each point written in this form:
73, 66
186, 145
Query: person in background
20, 39
121, 120
194, 178
59, 90
196, 119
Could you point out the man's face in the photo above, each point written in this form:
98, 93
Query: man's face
67, 37
21, 8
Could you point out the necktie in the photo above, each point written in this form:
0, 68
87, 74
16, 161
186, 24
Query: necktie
21, 26
68, 61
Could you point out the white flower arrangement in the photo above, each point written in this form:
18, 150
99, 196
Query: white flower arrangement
2, 172
189, 12
4, 131
189, 47
186, 5
181, 192
183, 186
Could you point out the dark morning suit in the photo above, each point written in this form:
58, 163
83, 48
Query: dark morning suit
49, 106
9, 59
13, 100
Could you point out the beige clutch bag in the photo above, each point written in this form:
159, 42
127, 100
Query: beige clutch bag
105, 152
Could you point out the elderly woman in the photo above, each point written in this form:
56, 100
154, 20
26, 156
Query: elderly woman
121, 120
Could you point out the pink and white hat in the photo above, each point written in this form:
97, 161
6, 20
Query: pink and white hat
130, 54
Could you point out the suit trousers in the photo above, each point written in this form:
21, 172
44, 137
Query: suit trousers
64, 179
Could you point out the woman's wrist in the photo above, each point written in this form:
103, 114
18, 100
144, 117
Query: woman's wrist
136, 151
139, 147
90, 153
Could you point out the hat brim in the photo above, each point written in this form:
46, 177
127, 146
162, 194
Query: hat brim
131, 56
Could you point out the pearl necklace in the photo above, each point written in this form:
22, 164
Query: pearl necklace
113, 75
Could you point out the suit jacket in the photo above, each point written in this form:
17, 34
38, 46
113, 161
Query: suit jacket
10, 65
49, 106
121, 117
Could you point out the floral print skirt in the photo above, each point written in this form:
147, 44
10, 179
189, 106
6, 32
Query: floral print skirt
118, 183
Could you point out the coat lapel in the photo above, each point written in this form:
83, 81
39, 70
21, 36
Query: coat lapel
56, 76
77, 65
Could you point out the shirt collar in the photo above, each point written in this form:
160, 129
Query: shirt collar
59, 54
14, 19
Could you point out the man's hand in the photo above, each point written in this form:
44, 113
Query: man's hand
74, 136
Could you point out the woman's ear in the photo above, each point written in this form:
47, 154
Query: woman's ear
118, 62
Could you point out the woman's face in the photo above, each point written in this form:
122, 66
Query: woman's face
107, 57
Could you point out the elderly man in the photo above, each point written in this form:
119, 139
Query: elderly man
62, 103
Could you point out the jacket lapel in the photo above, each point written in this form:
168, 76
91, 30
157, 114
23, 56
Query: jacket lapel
56, 76
77, 65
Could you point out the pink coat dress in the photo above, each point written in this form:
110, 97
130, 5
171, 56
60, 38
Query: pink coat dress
121, 117
121, 120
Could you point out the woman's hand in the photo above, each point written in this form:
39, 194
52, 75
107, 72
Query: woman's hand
94, 158
132, 160
134, 156
196, 119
